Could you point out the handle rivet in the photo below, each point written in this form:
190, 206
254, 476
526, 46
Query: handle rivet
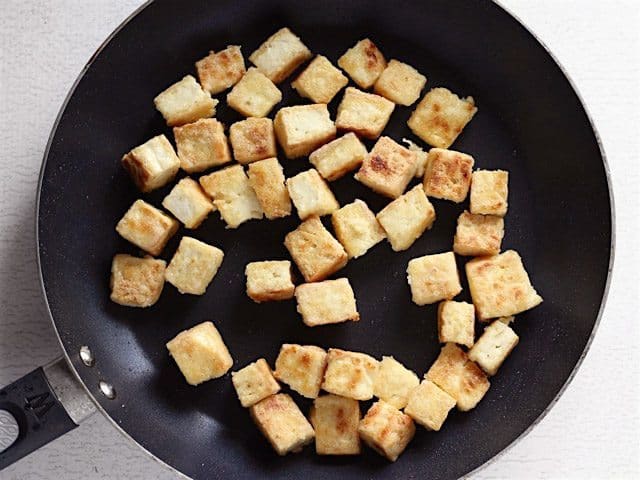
86, 356
107, 390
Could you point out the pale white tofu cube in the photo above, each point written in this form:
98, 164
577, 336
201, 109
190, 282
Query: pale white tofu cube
254, 382
221, 70
185, 102
489, 192
331, 301
433, 278
152, 164
335, 420
400, 83
193, 266
357, 228
266, 177
493, 347
311, 195
478, 235
350, 374
147, 227
254, 95
280, 55
188, 203
303, 128
429, 405
320, 81
339, 156
136, 282
363, 113
363, 62
456, 323
394, 382
253, 139
302, 368
269, 280
386, 430
202, 145
447, 174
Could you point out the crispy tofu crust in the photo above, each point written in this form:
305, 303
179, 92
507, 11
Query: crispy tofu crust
320, 81
335, 420
301, 367
193, 266
311, 195
269, 280
394, 382
152, 164
202, 145
147, 227
433, 278
400, 83
363, 113
489, 192
478, 235
456, 323
339, 156
330, 301
494, 346
386, 430
303, 128
185, 102
136, 282
429, 406
254, 95
253, 139
350, 374
357, 229
280, 55
254, 383
363, 63
447, 174
266, 177
188, 203
222, 70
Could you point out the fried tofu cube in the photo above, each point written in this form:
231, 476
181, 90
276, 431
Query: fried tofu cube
440, 117
222, 70
232, 195
421, 163
335, 420
363, 62
363, 113
339, 156
386, 430
400, 83
433, 278
282, 423
447, 174
303, 128
266, 177
185, 102
357, 228
280, 55
388, 168
454, 373
311, 195
320, 81
254, 382
350, 374
489, 191
254, 95
152, 164
315, 251
406, 218
193, 266
330, 301
394, 382
269, 280
253, 139
478, 235
301, 367
188, 203
456, 323
147, 227
500, 286
200, 353
202, 145
493, 347
429, 405
136, 282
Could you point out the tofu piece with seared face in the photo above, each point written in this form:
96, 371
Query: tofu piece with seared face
266, 177
253, 139
363, 62
489, 192
406, 218
320, 81
363, 113
254, 95
433, 278
200, 353
315, 251
185, 102
311, 195
301, 367
394, 382
136, 282
280, 55
400, 83
478, 235
440, 117
350, 374
269, 280
494, 345
386, 430
335, 420
388, 168
188, 203
429, 405
232, 195
147, 227
193, 266
254, 383
447, 174
330, 301
456, 323
282, 423
357, 228
202, 145
303, 128
339, 156
221, 70
152, 164
500, 286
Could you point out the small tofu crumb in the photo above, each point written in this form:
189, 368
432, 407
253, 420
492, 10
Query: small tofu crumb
363, 113
478, 235
188, 203
311, 195
301, 367
335, 420
266, 177
193, 266
269, 280
394, 382
185, 102
320, 81
136, 282
280, 55
254, 95
447, 175
489, 191
456, 323
400, 83
421, 163
202, 145
331, 301
350, 374
357, 228
386, 430
253, 139
429, 406
303, 128
339, 156
147, 227
254, 382
433, 278
363, 62
221, 70
493, 347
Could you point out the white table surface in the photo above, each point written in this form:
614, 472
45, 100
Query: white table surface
592, 432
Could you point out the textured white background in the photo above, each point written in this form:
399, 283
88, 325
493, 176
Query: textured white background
593, 431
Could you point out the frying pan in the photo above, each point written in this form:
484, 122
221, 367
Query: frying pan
530, 122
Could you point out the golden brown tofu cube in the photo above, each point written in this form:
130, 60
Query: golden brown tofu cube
400, 83
136, 282
454, 373
147, 227
433, 278
303, 128
388, 168
222, 70
335, 420
357, 228
478, 235
429, 405
254, 382
447, 174
301, 367
330, 301
152, 164
311, 195
386, 430
500, 286
456, 323
363, 62
339, 156
421, 163
193, 266
253, 139
280, 55
350, 374
200, 353
282, 423
440, 117
188, 203
269, 280
489, 191
254, 95
320, 81
266, 177
185, 102
363, 113
316, 252
394, 382
493, 347
202, 145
